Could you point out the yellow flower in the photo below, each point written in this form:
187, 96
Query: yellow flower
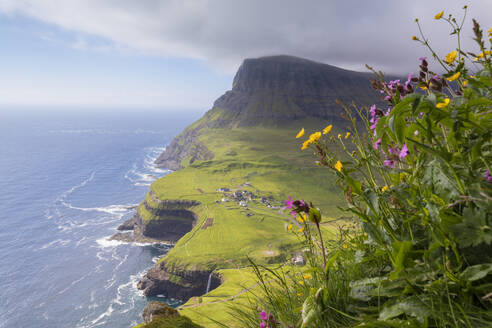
384, 188
451, 57
443, 104
454, 76
439, 15
305, 144
345, 246
301, 282
301, 229
423, 87
289, 227
339, 136
327, 129
307, 276
299, 294
414, 38
472, 76
338, 166
301, 218
347, 135
490, 32
300, 134
315, 137
465, 83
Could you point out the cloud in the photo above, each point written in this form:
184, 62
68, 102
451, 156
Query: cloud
222, 33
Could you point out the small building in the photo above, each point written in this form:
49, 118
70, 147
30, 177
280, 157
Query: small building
223, 189
298, 260
243, 203
225, 200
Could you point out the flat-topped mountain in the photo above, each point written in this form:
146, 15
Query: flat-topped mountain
273, 91
270, 90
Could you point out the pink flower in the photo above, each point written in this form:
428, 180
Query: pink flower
390, 163
288, 203
393, 150
377, 144
263, 324
263, 315
403, 152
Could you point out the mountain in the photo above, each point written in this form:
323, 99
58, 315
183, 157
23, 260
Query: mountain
273, 91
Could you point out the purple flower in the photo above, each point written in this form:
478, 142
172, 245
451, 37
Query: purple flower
390, 163
263, 324
488, 177
288, 203
377, 144
403, 152
263, 315
416, 133
393, 150
422, 58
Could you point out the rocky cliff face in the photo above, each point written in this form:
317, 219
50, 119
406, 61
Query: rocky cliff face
177, 283
271, 91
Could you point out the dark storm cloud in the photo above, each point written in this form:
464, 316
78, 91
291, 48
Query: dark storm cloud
347, 33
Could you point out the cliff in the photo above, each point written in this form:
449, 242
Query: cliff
272, 91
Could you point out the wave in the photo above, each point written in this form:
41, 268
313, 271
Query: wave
80, 185
111, 209
144, 172
61, 242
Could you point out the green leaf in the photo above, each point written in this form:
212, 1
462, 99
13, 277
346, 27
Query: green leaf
401, 250
477, 272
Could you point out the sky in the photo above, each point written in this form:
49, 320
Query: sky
183, 54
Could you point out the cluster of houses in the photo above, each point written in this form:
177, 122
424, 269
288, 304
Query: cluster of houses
242, 197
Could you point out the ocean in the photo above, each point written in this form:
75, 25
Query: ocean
67, 180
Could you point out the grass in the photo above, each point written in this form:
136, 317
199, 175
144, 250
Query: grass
272, 162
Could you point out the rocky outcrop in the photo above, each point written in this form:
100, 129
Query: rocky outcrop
177, 283
171, 219
272, 91
158, 314
128, 224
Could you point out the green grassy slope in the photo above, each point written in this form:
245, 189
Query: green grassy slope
271, 161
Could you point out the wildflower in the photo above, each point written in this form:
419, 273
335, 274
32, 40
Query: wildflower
423, 87
490, 32
416, 133
301, 218
414, 38
289, 227
488, 177
305, 144
301, 230
339, 136
473, 76
327, 129
443, 104
300, 134
345, 246
263, 324
390, 163
307, 276
347, 135
439, 15
300, 282
393, 150
403, 152
263, 315
288, 203
299, 294
384, 188
315, 137
465, 83
338, 166
377, 144
451, 57
454, 76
